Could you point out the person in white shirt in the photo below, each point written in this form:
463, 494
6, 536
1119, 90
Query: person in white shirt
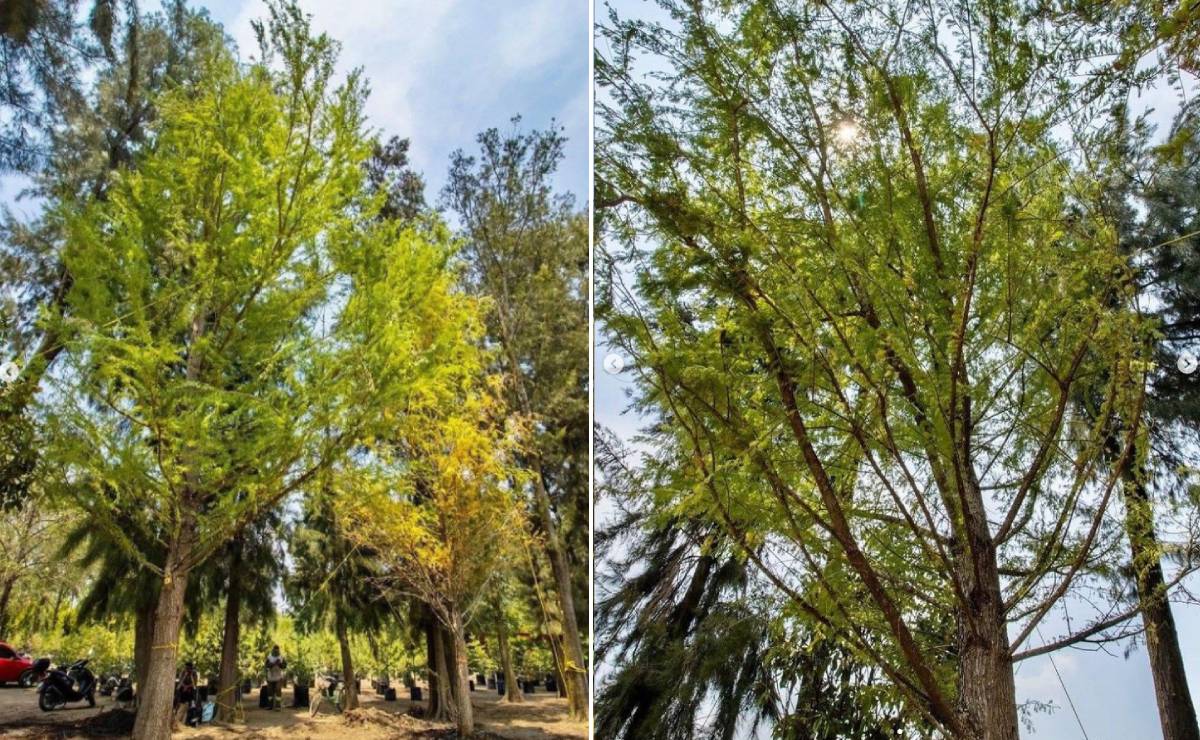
275, 665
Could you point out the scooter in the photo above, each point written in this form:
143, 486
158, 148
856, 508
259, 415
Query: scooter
74, 684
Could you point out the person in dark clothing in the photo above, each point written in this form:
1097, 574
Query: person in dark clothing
186, 691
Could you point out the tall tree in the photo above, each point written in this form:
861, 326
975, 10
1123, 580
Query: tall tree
1154, 200
195, 300
527, 251
869, 274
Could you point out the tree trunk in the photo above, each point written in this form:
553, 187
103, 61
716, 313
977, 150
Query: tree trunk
350, 688
511, 692
143, 638
154, 711
228, 688
575, 668
448, 677
556, 651
986, 688
445, 703
58, 597
466, 718
1176, 713
436, 708
5, 596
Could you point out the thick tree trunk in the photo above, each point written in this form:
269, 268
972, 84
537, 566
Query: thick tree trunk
350, 688
986, 688
143, 638
1176, 713
987, 691
228, 688
466, 717
511, 692
575, 668
154, 712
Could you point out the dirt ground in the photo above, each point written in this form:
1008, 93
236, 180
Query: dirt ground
541, 717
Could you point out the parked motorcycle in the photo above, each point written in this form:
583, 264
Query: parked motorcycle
124, 692
60, 687
34, 675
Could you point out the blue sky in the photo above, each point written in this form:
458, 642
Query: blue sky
1112, 692
441, 71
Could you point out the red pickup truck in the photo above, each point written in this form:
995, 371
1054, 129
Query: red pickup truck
13, 666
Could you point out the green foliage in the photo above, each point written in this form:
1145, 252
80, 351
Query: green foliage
526, 251
108, 646
859, 279
203, 646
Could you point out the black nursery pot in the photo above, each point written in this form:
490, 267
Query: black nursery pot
389, 695
246, 686
202, 692
414, 693
500, 688
300, 696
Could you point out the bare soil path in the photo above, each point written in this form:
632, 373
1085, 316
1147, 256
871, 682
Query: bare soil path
541, 717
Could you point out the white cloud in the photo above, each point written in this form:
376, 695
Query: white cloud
443, 70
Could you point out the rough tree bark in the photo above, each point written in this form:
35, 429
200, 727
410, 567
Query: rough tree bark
154, 711
143, 638
1176, 713
227, 683
457, 633
986, 689
350, 688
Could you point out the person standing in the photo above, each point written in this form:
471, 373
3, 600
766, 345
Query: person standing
275, 665
185, 690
